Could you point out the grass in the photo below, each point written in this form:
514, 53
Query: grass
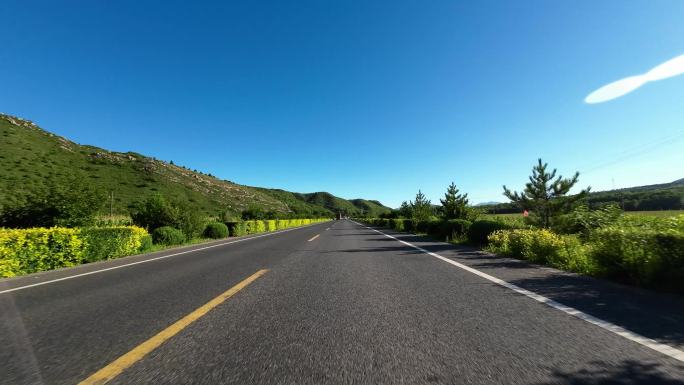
194, 241
657, 213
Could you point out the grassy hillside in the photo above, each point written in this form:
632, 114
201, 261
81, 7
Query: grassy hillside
370, 208
31, 159
304, 203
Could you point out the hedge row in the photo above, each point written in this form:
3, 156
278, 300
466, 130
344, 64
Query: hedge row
454, 229
24, 251
544, 247
648, 258
237, 229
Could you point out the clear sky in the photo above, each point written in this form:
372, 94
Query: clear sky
358, 98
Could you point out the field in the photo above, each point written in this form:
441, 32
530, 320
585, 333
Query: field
655, 213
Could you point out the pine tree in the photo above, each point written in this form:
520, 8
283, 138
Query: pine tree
454, 205
405, 210
421, 207
544, 196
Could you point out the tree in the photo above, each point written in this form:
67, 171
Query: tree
253, 212
156, 211
455, 205
544, 196
421, 208
69, 203
405, 210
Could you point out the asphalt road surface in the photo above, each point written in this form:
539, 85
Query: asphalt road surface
333, 303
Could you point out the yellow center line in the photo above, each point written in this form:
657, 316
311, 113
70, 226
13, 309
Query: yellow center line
122, 363
315, 236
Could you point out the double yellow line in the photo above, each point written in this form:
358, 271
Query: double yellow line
124, 362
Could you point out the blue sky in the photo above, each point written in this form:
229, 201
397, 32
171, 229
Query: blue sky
362, 99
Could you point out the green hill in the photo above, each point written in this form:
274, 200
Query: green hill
371, 208
31, 159
300, 203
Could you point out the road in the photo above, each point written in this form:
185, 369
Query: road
333, 303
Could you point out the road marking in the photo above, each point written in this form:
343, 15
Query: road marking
314, 237
147, 260
327, 229
124, 362
645, 341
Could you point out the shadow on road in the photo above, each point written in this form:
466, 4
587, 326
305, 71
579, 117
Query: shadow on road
628, 372
659, 316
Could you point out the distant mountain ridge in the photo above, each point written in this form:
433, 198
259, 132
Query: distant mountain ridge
32, 158
662, 196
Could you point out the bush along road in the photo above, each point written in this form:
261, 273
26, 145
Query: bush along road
641, 251
24, 251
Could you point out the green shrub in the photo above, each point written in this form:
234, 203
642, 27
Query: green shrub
255, 226
582, 220
250, 226
421, 226
480, 230
167, 235
236, 229
647, 257
146, 243
270, 225
216, 230
409, 225
39, 249
112, 242
24, 251
156, 212
543, 247
71, 203
446, 229
397, 224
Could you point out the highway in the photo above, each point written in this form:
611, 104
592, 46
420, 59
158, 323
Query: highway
333, 303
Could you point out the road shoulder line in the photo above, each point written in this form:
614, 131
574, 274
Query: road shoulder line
622, 332
147, 260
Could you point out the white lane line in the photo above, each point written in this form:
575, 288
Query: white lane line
327, 229
148, 260
314, 237
645, 341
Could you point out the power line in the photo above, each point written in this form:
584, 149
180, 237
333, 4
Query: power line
634, 152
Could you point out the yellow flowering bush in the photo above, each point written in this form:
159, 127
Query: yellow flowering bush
544, 247
24, 251
112, 242
270, 225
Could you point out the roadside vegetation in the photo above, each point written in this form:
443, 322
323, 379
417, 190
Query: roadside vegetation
556, 229
64, 227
